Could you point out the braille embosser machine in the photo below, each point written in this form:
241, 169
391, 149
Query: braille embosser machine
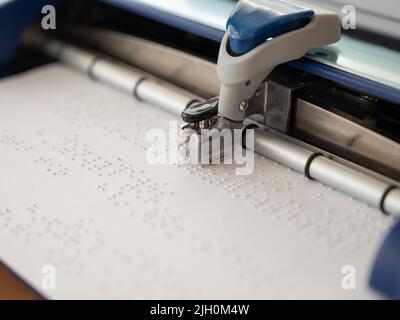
321, 100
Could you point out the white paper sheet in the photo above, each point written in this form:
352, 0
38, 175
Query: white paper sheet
77, 194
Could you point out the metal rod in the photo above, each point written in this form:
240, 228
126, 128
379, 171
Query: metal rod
349, 181
324, 127
176, 66
370, 189
119, 75
116, 75
319, 167
309, 122
281, 151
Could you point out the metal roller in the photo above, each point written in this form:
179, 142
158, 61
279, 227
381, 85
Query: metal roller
169, 98
123, 77
76, 57
391, 203
373, 191
281, 151
349, 181
116, 75
370, 189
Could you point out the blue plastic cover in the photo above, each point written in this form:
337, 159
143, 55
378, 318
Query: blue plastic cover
385, 276
252, 22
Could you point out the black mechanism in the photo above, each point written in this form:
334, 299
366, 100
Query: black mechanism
197, 112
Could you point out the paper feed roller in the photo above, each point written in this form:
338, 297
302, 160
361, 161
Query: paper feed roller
286, 139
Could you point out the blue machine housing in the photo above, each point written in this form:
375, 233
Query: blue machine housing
15, 16
385, 276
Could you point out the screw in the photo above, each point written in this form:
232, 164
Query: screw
243, 106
